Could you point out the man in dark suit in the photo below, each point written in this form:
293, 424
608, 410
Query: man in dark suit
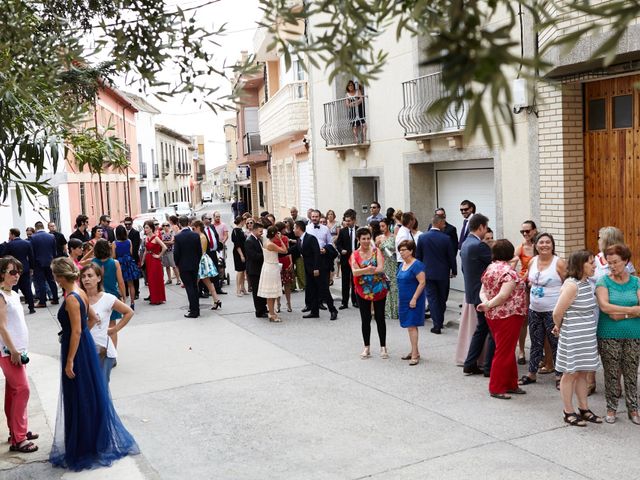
467, 210
346, 243
476, 256
134, 237
449, 230
44, 251
107, 230
438, 254
316, 273
187, 252
22, 251
254, 260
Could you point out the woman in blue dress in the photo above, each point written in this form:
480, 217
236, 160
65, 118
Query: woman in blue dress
123, 251
411, 296
89, 433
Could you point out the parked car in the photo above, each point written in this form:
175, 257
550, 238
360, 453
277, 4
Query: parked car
138, 220
206, 197
183, 208
163, 213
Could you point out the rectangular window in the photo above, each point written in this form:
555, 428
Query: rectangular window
108, 190
83, 199
261, 194
139, 153
597, 114
623, 111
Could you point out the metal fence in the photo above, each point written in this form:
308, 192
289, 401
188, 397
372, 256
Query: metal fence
419, 95
346, 121
143, 170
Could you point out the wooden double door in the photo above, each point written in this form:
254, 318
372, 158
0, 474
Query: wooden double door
612, 159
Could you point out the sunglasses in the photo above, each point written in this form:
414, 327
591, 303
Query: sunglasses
522, 232
165, 224
462, 210
12, 272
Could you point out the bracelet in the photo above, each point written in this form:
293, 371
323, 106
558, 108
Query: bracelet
626, 315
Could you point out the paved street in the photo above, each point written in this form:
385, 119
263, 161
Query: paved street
229, 396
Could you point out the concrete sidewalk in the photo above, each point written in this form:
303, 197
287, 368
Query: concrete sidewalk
230, 396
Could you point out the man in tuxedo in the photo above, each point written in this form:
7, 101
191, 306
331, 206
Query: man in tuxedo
22, 251
467, 210
438, 254
476, 256
327, 255
346, 243
187, 252
316, 273
254, 260
134, 237
44, 251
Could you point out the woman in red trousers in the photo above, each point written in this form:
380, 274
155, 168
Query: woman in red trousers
503, 297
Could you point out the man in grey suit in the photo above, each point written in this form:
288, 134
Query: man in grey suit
476, 256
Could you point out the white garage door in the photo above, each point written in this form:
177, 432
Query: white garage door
475, 185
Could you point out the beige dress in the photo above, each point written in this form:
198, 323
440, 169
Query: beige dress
270, 285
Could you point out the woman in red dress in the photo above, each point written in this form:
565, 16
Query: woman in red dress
153, 251
286, 263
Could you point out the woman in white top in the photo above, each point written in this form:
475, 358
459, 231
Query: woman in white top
404, 232
14, 341
546, 273
103, 304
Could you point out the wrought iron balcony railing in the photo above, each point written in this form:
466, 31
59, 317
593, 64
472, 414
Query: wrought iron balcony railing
143, 170
156, 172
419, 95
346, 121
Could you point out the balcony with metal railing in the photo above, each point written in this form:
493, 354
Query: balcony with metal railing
417, 117
143, 170
346, 125
156, 171
285, 114
251, 143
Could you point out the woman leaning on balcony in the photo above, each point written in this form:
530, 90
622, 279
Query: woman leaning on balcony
356, 112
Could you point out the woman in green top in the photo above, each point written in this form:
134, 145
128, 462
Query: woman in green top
618, 295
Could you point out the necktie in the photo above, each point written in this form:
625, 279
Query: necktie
463, 232
353, 246
316, 226
211, 244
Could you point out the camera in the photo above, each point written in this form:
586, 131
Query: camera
24, 358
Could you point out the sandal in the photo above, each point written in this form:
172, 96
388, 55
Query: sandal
384, 354
517, 391
526, 380
29, 436
408, 357
573, 419
414, 361
28, 447
500, 396
589, 416
522, 360
366, 353
545, 370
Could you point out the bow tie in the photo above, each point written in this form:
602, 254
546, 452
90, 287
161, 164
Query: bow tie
316, 226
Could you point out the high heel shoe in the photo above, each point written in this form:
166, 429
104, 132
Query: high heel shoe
366, 353
289, 309
635, 419
216, 305
274, 318
384, 354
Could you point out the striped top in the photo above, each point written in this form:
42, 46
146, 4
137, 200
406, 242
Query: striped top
578, 346
624, 295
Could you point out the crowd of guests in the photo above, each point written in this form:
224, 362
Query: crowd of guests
580, 313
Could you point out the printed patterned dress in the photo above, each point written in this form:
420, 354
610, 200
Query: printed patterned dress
388, 248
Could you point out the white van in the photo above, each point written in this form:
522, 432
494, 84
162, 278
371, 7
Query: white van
206, 197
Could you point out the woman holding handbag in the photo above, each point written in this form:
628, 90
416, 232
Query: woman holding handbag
371, 286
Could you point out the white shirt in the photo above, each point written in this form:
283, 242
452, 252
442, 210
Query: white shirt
403, 234
103, 308
16, 324
322, 234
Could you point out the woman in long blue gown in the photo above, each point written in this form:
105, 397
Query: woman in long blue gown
89, 433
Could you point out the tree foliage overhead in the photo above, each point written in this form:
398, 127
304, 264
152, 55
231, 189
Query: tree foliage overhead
476, 54
55, 54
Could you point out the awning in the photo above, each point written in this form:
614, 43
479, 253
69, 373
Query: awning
244, 183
